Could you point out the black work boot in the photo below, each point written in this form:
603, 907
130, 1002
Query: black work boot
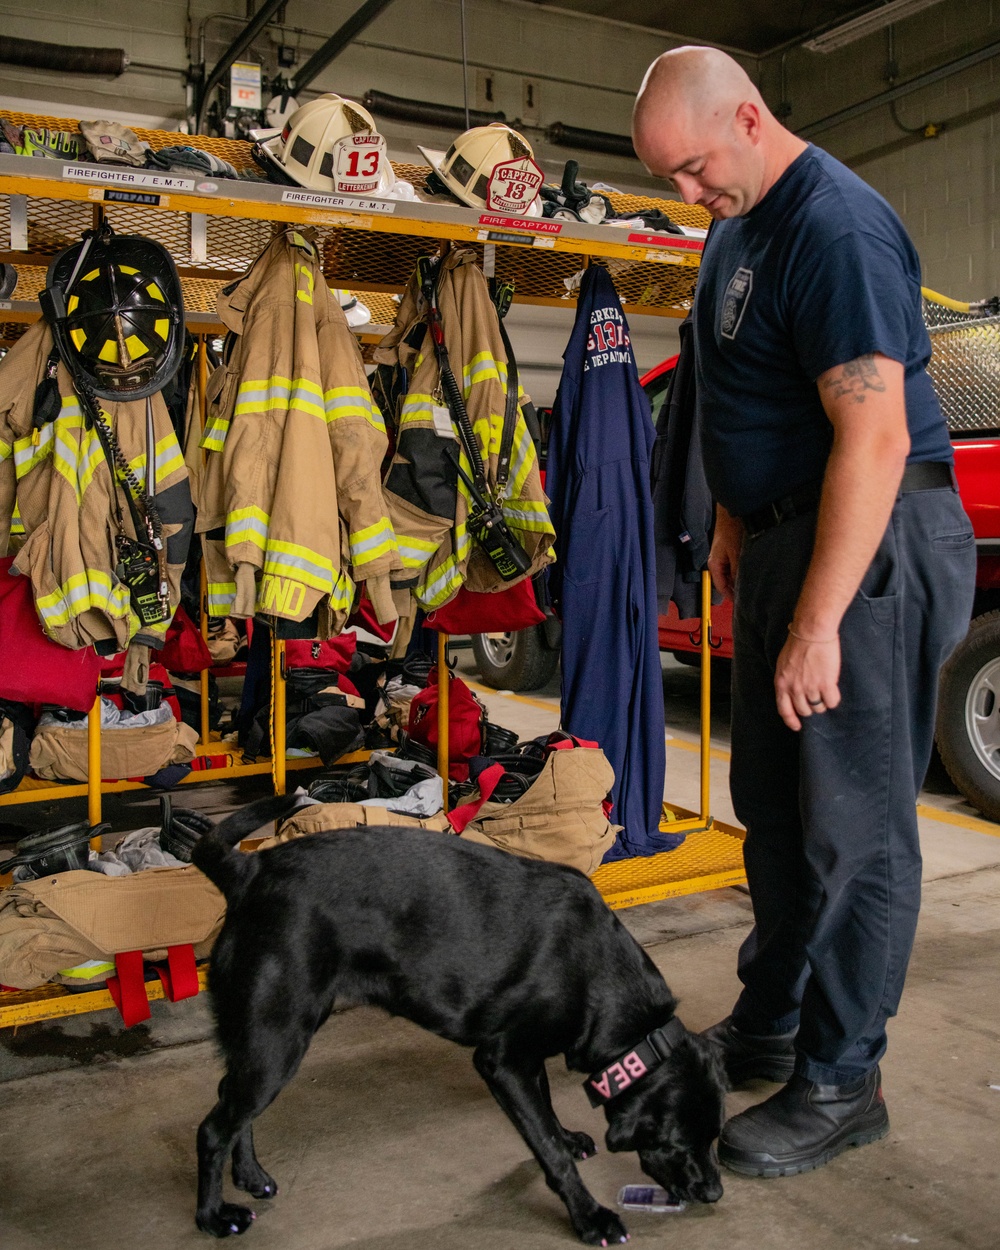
803, 1126
750, 1056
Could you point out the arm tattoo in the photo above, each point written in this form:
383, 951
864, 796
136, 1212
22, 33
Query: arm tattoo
852, 380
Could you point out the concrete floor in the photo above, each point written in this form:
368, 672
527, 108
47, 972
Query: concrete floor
387, 1136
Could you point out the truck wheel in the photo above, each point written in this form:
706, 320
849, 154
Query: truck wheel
515, 661
968, 720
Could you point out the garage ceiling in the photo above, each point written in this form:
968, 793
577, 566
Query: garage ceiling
750, 26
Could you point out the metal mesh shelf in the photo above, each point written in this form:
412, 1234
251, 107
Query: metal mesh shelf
362, 249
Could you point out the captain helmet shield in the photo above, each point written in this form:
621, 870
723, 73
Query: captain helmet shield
358, 162
513, 185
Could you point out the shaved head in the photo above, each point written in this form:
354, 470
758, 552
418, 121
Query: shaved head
700, 122
701, 83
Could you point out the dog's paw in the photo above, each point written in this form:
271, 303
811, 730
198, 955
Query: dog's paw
228, 1220
254, 1180
580, 1145
603, 1228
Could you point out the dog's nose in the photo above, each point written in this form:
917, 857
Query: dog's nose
709, 1191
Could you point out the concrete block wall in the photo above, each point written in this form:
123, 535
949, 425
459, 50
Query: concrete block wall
586, 70
944, 188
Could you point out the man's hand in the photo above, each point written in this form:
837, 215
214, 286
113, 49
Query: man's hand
724, 557
805, 679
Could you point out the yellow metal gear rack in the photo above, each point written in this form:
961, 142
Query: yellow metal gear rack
214, 228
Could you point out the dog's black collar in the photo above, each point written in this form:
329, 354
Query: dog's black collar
613, 1079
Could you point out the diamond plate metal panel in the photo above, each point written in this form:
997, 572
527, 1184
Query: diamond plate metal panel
965, 367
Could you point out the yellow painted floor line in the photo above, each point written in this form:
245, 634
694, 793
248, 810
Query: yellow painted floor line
958, 818
552, 706
681, 744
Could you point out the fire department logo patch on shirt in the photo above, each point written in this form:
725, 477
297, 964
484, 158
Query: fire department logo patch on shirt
734, 302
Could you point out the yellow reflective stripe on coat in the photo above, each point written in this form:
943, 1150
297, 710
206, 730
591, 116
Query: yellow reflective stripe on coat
247, 525
91, 457
16, 523
214, 437
417, 406
32, 450
483, 367
522, 461
305, 280
6, 450
221, 597
526, 514
307, 397
262, 395
167, 458
342, 595
299, 563
88, 969
372, 542
448, 577
352, 401
415, 552
278, 394
79, 594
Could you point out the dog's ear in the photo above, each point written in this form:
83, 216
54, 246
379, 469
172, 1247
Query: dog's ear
634, 1118
623, 1124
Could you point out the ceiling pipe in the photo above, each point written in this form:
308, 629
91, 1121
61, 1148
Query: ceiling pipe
235, 50
337, 42
444, 115
564, 136
33, 54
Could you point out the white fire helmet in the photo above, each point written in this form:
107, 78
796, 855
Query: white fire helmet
331, 144
492, 168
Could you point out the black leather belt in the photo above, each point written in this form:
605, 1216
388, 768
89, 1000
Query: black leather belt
928, 475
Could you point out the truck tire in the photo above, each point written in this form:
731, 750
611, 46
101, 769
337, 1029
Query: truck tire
515, 661
968, 720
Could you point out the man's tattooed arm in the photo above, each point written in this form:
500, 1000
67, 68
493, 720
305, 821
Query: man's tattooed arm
853, 380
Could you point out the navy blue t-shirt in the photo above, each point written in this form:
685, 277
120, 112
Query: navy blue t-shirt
820, 272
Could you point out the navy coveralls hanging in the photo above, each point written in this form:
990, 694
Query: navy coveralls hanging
604, 579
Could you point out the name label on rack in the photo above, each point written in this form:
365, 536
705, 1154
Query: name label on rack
511, 236
316, 199
664, 258
131, 197
667, 240
126, 178
536, 225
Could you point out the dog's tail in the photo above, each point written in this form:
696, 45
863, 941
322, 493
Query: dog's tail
230, 870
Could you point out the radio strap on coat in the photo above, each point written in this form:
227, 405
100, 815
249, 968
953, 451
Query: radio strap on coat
486, 522
141, 565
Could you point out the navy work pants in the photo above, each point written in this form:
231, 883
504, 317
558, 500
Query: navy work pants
832, 853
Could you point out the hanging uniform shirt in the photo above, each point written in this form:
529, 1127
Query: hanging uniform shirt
604, 579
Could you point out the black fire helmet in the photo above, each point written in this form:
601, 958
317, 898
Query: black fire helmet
115, 306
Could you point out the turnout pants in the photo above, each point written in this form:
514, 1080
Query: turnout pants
832, 852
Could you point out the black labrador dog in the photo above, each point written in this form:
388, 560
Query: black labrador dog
517, 958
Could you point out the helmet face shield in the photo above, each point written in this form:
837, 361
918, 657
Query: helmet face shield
124, 324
